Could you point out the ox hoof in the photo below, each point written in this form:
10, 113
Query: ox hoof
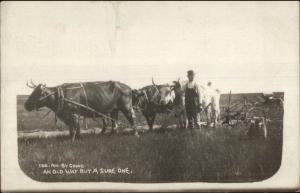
103, 131
136, 134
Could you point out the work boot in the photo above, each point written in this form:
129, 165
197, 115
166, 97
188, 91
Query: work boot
190, 126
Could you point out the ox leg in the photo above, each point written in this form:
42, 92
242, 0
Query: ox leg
190, 121
181, 124
72, 133
150, 120
104, 125
85, 123
73, 122
77, 127
216, 114
213, 118
70, 120
217, 117
114, 124
184, 119
128, 114
208, 116
264, 127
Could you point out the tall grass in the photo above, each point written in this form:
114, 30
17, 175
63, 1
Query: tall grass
209, 155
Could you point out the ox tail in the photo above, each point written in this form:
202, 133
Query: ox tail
133, 112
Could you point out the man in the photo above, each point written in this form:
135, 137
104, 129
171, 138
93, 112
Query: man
192, 100
209, 88
213, 96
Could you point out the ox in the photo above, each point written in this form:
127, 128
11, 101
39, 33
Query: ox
153, 99
69, 100
179, 104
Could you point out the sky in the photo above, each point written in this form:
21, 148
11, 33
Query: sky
239, 46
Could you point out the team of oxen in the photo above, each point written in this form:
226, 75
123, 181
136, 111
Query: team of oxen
70, 101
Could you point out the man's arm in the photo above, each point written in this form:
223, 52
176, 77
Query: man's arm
198, 91
184, 85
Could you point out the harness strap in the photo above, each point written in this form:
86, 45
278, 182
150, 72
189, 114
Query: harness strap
137, 106
209, 104
86, 99
70, 88
60, 102
84, 92
43, 98
145, 95
155, 94
93, 110
62, 96
60, 99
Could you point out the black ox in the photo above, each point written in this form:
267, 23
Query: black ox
155, 99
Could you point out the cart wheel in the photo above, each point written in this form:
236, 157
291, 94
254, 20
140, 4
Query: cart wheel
255, 112
254, 116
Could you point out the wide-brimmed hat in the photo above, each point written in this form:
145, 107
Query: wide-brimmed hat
191, 72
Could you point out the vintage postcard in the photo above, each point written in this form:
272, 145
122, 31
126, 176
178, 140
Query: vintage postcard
149, 96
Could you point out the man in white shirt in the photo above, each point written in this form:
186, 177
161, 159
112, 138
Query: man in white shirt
209, 88
192, 100
213, 96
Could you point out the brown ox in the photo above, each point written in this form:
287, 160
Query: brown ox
103, 97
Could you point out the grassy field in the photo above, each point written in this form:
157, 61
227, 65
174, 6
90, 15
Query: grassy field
167, 155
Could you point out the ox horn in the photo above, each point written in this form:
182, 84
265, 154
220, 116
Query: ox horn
31, 85
153, 82
155, 85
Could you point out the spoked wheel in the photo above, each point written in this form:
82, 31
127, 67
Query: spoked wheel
255, 112
256, 121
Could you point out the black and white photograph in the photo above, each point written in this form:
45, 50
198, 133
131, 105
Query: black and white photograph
149, 93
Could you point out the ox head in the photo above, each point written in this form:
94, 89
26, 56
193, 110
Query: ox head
136, 97
165, 94
35, 100
178, 88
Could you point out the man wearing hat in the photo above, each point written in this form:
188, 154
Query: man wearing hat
192, 101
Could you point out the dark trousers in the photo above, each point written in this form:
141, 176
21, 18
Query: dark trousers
193, 115
191, 106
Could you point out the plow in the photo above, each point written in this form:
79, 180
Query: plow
255, 115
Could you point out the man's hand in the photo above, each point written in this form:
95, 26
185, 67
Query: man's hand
200, 108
